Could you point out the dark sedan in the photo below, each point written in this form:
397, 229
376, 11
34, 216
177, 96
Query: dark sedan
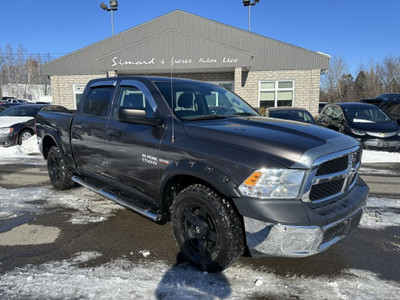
365, 122
290, 113
4, 106
17, 123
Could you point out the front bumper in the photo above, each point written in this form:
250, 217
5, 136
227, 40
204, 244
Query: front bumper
8, 140
327, 224
381, 144
278, 240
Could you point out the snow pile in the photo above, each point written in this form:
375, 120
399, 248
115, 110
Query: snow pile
370, 156
28, 152
121, 279
381, 213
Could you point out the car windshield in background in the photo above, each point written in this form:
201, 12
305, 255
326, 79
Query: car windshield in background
366, 115
21, 111
200, 101
294, 115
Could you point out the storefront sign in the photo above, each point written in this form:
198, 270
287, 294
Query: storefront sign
173, 61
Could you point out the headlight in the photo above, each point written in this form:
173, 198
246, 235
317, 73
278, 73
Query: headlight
357, 131
273, 183
6, 130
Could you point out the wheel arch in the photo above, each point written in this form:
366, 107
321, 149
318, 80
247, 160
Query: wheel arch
47, 143
182, 174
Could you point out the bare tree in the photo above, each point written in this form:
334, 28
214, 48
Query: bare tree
331, 81
389, 72
22, 75
374, 82
20, 71
8, 68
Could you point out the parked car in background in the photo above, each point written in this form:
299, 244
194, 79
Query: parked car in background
17, 123
20, 101
290, 113
375, 101
381, 98
389, 97
6, 98
4, 106
365, 122
392, 108
321, 106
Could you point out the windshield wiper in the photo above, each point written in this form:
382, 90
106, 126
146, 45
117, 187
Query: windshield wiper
243, 114
206, 117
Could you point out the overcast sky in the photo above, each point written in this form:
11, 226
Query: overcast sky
357, 30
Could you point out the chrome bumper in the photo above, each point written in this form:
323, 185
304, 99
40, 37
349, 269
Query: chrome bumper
279, 240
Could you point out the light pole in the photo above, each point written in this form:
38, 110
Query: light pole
113, 6
250, 3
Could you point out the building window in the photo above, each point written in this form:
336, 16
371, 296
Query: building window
78, 91
276, 93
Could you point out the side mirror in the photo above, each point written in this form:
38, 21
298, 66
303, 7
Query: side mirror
136, 116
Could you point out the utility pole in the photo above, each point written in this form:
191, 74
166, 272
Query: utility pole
250, 3
113, 7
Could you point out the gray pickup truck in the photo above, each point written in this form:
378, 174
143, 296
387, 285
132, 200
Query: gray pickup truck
195, 154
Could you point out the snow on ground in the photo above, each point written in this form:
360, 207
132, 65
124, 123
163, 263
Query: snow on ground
121, 279
370, 156
27, 153
87, 206
151, 279
381, 213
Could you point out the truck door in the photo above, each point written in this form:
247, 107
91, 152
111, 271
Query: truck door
132, 150
88, 130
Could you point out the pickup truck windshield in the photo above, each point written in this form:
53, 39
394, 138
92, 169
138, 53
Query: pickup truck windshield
200, 101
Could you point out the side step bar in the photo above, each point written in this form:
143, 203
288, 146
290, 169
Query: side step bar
121, 200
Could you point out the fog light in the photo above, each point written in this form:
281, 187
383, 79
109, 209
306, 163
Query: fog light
303, 240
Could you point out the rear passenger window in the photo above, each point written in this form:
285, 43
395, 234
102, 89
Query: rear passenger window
98, 101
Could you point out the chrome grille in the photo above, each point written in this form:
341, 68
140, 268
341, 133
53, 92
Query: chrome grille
332, 176
333, 166
327, 189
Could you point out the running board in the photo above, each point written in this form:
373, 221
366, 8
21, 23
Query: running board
95, 187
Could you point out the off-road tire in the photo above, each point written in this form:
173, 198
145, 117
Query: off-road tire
207, 228
59, 172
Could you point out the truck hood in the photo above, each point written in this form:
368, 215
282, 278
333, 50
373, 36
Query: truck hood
9, 121
292, 144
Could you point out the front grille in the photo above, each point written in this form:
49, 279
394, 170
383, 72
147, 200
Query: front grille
324, 190
333, 166
332, 176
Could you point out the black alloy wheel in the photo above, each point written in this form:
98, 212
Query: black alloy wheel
199, 229
207, 228
59, 173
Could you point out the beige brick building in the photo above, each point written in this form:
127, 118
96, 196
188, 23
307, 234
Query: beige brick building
263, 71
